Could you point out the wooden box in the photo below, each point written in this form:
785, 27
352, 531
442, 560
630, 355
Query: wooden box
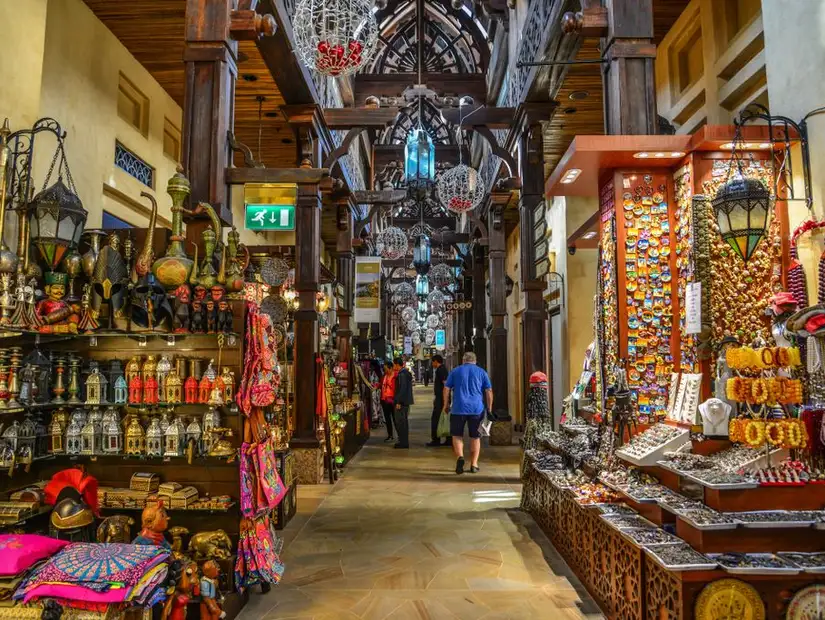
144, 481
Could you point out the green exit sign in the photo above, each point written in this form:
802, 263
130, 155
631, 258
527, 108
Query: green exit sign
270, 217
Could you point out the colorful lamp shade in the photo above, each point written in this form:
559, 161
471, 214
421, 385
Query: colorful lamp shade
56, 220
741, 207
419, 158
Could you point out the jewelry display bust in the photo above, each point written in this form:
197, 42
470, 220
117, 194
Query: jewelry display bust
715, 417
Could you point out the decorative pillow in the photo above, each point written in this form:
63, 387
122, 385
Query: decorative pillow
18, 552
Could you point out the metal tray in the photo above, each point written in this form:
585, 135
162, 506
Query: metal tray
769, 524
735, 486
668, 538
814, 570
651, 552
708, 527
739, 570
639, 521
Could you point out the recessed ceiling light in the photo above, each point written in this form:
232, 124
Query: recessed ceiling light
764, 145
571, 175
589, 235
578, 95
569, 110
249, 77
271, 114
642, 155
748, 146
657, 155
676, 154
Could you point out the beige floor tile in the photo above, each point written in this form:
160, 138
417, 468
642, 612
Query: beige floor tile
401, 537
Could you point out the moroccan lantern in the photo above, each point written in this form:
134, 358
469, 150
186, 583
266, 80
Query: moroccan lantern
204, 389
334, 37
419, 158
150, 390
56, 220
741, 208
135, 390
422, 254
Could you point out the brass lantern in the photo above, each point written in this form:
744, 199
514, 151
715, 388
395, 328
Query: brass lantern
56, 219
112, 437
741, 207
173, 390
57, 428
135, 438
96, 388
73, 441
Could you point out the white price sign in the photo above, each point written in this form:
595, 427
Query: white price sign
693, 308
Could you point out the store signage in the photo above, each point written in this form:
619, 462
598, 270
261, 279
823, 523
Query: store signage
270, 206
408, 345
440, 339
367, 289
693, 308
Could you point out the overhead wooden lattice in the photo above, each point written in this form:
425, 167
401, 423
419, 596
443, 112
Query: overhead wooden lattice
433, 123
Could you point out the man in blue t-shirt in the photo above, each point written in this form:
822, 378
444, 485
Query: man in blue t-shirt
472, 394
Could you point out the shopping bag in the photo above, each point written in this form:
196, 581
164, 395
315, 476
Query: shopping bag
443, 425
486, 425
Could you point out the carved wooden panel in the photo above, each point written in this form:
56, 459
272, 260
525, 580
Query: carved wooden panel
663, 593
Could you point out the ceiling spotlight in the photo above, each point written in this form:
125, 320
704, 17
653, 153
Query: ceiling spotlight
249, 77
578, 95
569, 110
571, 175
658, 155
642, 155
589, 235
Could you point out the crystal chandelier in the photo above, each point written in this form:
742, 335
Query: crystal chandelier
335, 37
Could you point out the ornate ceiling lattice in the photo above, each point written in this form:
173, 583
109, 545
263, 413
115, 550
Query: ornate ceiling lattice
433, 123
411, 207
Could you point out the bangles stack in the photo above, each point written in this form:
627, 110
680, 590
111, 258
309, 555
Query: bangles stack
764, 390
789, 433
746, 358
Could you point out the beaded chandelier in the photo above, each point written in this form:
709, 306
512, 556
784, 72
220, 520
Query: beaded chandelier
392, 243
460, 189
441, 275
335, 37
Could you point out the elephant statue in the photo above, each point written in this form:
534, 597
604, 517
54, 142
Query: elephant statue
214, 545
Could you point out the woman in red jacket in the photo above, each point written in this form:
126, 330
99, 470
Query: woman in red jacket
388, 397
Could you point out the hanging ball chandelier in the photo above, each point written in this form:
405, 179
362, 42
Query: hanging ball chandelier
416, 337
430, 336
335, 37
433, 321
441, 275
408, 314
460, 189
436, 299
403, 293
392, 243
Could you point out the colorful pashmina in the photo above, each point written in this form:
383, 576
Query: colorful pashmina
258, 560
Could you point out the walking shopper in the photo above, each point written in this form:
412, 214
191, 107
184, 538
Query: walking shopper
470, 387
388, 396
403, 398
439, 377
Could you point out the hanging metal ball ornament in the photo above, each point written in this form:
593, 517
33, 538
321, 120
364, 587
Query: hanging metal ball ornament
392, 243
430, 336
412, 326
460, 189
416, 337
274, 271
403, 293
275, 307
441, 275
432, 321
335, 37
436, 299
408, 314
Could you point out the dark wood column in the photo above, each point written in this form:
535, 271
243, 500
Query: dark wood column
210, 57
479, 307
307, 276
628, 80
467, 334
532, 197
345, 265
497, 363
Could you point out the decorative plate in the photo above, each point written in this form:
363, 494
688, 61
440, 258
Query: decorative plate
808, 603
729, 598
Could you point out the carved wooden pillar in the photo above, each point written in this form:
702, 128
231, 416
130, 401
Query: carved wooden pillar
210, 57
532, 196
304, 442
467, 334
345, 262
497, 363
479, 307
628, 80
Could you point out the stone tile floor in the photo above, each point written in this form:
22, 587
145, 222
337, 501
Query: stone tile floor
400, 536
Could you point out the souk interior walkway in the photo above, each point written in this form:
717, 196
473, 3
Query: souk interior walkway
401, 536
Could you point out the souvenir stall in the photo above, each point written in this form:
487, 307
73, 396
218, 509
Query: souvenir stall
139, 382
695, 488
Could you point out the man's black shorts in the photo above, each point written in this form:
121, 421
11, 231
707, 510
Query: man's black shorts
457, 423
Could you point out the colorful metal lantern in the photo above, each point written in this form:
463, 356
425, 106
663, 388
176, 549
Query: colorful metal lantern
422, 286
164, 367
91, 438
422, 254
228, 379
173, 439
57, 430
173, 390
121, 391
154, 438
741, 207
135, 390
149, 368
334, 37
419, 158
73, 440
204, 389
190, 388
96, 388
56, 220
132, 369
135, 437
112, 437
194, 435
150, 391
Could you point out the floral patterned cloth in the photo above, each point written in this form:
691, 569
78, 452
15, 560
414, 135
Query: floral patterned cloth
258, 560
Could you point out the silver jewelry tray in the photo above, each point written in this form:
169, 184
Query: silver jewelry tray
708, 527
641, 522
743, 570
725, 486
769, 524
650, 550
814, 570
628, 533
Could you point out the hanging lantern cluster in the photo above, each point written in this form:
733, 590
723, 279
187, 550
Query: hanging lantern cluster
335, 37
403, 293
460, 189
441, 275
392, 243
429, 337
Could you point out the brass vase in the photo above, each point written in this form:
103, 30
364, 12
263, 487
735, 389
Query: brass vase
173, 269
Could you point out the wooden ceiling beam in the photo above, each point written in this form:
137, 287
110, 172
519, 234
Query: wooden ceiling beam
433, 222
476, 116
347, 118
444, 84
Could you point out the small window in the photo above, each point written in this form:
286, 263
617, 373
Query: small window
171, 140
112, 221
133, 165
132, 105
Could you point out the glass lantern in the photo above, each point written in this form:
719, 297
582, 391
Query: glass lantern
204, 389
121, 394
135, 438
154, 438
12, 435
56, 430
132, 369
741, 207
173, 439
163, 369
135, 390
91, 438
194, 434
96, 388
73, 441
173, 390
112, 437
422, 255
56, 220
422, 286
419, 158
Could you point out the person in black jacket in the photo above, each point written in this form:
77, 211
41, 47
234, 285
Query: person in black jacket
403, 400
439, 377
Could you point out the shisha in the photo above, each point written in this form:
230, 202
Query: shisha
623, 419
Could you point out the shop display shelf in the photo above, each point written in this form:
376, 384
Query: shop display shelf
702, 562
707, 527
734, 486
767, 523
785, 569
623, 522
813, 563
645, 537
